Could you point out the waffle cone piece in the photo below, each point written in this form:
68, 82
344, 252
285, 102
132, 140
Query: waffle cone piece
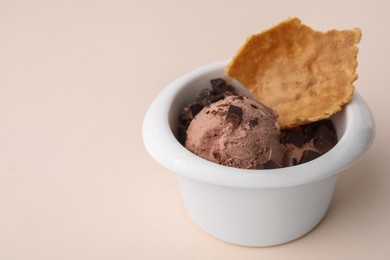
303, 74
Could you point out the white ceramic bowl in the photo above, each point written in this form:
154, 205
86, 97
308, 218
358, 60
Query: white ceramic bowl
251, 207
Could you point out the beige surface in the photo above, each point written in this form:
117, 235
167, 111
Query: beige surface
76, 78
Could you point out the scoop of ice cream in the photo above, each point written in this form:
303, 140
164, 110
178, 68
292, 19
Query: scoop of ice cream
238, 132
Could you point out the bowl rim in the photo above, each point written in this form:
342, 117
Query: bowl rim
163, 146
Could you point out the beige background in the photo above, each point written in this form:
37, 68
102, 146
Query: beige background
76, 78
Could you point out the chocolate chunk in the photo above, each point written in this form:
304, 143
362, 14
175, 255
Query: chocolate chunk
295, 136
271, 164
195, 108
328, 123
309, 155
309, 130
253, 122
255, 107
203, 102
234, 115
325, 138
182, 134
217, 156
185, 115
219, 90
219, 85
204, 93
215, 98
203, 97
230, 89
208, 97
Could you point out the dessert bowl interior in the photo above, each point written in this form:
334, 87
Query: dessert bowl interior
354, 126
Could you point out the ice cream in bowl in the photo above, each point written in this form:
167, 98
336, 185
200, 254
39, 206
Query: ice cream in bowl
249, 173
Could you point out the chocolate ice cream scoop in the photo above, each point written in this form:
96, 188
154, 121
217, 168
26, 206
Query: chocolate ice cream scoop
238, 132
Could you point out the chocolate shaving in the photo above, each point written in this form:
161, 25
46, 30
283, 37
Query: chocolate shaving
234, 115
